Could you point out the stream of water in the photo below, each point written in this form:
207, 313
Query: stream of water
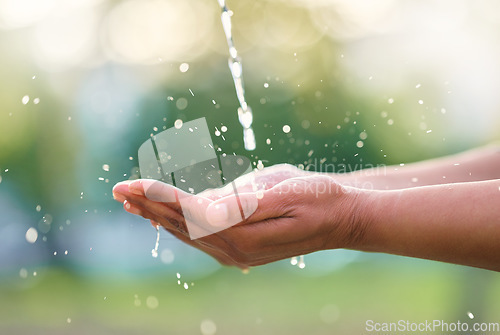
245, 114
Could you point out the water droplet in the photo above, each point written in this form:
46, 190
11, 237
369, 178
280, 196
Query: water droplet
223, 129
414, 180
169, 98
137, 301
245, 117
186, 286
286, 129
31, 235
208, 327
105, 167
293, 261
25, 99
363, 135
23, 273
181, 103
36, 101
390, 101
421, 102
360, 144
154, 252
178, 124
390, 122
470, 315
249, 139
152, 302
184, 67
301, 264
38, 208
167, 256
260, 165
443, 111
417, 86
178, 275
268, 141
266, 85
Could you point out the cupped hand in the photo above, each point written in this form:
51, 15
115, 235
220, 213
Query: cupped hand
291, 213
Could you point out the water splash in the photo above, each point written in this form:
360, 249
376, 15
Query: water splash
154, 252
301, 264
298, 261
245, 114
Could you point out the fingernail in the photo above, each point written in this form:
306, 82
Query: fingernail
118, 197
217, 214
121, 186
131, 208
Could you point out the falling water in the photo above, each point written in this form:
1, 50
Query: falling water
154, 252
298, 261
245, 114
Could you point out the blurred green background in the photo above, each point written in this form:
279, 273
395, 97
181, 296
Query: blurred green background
85, 82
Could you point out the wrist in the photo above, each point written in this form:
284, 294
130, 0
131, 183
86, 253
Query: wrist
363, 208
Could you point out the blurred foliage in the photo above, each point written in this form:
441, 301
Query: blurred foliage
262, 302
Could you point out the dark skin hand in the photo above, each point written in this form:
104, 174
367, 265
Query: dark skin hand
450, 215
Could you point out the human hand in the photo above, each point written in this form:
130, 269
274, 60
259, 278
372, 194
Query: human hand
292, 216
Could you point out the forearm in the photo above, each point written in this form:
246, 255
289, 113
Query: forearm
475, 165
456, 223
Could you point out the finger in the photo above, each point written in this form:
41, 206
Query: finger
191, 218
120, 189
139, 205
155, 190
123, 190
219, 255
192, 206
253, 207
